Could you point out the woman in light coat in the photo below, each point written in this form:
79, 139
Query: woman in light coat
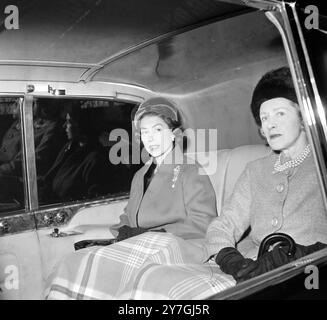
275, 194
179, 197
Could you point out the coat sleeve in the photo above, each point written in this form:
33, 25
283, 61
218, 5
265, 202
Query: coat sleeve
199, 201
124, 217
227, 229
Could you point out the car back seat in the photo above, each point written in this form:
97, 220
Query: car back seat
225, 166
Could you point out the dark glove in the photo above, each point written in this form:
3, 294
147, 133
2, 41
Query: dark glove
126, 232
159, 230
277, 257
268, 261
231, 261
302, 251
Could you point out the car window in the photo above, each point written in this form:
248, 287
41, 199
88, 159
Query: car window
76, 152
11, 168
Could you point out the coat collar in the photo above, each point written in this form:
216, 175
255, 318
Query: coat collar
174, 158
166, 174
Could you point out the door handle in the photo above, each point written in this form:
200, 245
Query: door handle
4, 226
56, 233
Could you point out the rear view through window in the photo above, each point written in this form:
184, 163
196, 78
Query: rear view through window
76, 161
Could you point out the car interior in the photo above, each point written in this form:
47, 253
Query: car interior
100, 61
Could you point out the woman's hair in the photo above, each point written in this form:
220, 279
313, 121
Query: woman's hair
274, 84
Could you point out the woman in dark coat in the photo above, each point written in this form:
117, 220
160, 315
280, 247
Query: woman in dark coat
78, 171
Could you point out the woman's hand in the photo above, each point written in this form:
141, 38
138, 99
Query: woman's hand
126, 232
275, 258
232, 262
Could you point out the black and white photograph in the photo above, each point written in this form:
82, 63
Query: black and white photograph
172, 151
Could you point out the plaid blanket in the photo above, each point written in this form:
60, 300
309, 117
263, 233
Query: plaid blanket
149, 266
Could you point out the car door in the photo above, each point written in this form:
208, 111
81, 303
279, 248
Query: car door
87, 186
38, 228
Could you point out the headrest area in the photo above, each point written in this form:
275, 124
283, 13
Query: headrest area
226, 165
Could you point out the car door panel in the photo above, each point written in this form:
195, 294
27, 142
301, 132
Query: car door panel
82, 222
20, 266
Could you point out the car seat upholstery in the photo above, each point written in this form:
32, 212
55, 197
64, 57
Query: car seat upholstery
225, 166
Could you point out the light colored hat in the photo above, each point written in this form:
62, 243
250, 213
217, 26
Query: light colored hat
159, 105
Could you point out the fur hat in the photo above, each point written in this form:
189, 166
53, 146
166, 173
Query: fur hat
274, 84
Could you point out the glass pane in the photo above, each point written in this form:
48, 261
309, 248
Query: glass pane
11, 173
73, 155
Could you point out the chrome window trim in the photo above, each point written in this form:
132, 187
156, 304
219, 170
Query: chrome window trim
28, 151
273, 277
36, 219
267, 5
12, 95
72, 208
93, 89
45, 63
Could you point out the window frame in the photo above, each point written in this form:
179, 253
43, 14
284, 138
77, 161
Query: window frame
22, 115
74, 204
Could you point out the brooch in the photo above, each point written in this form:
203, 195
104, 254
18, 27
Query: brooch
177, 169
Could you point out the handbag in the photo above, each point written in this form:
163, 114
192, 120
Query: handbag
275, 250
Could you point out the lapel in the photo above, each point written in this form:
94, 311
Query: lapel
164, 179
140, 189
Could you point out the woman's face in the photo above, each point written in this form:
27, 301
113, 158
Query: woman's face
281, 124
156, 136
70, 127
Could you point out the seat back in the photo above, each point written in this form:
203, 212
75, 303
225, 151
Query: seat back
225, 166
222, 166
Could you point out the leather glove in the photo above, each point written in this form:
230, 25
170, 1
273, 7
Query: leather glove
277, 257
302, 251
159, 230
126, 232
231, 261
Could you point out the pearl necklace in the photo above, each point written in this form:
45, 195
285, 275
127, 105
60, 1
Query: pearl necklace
292, 163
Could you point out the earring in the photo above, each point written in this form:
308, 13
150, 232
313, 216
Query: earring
262, 133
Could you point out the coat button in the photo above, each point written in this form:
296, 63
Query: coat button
280, 187
274, 222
